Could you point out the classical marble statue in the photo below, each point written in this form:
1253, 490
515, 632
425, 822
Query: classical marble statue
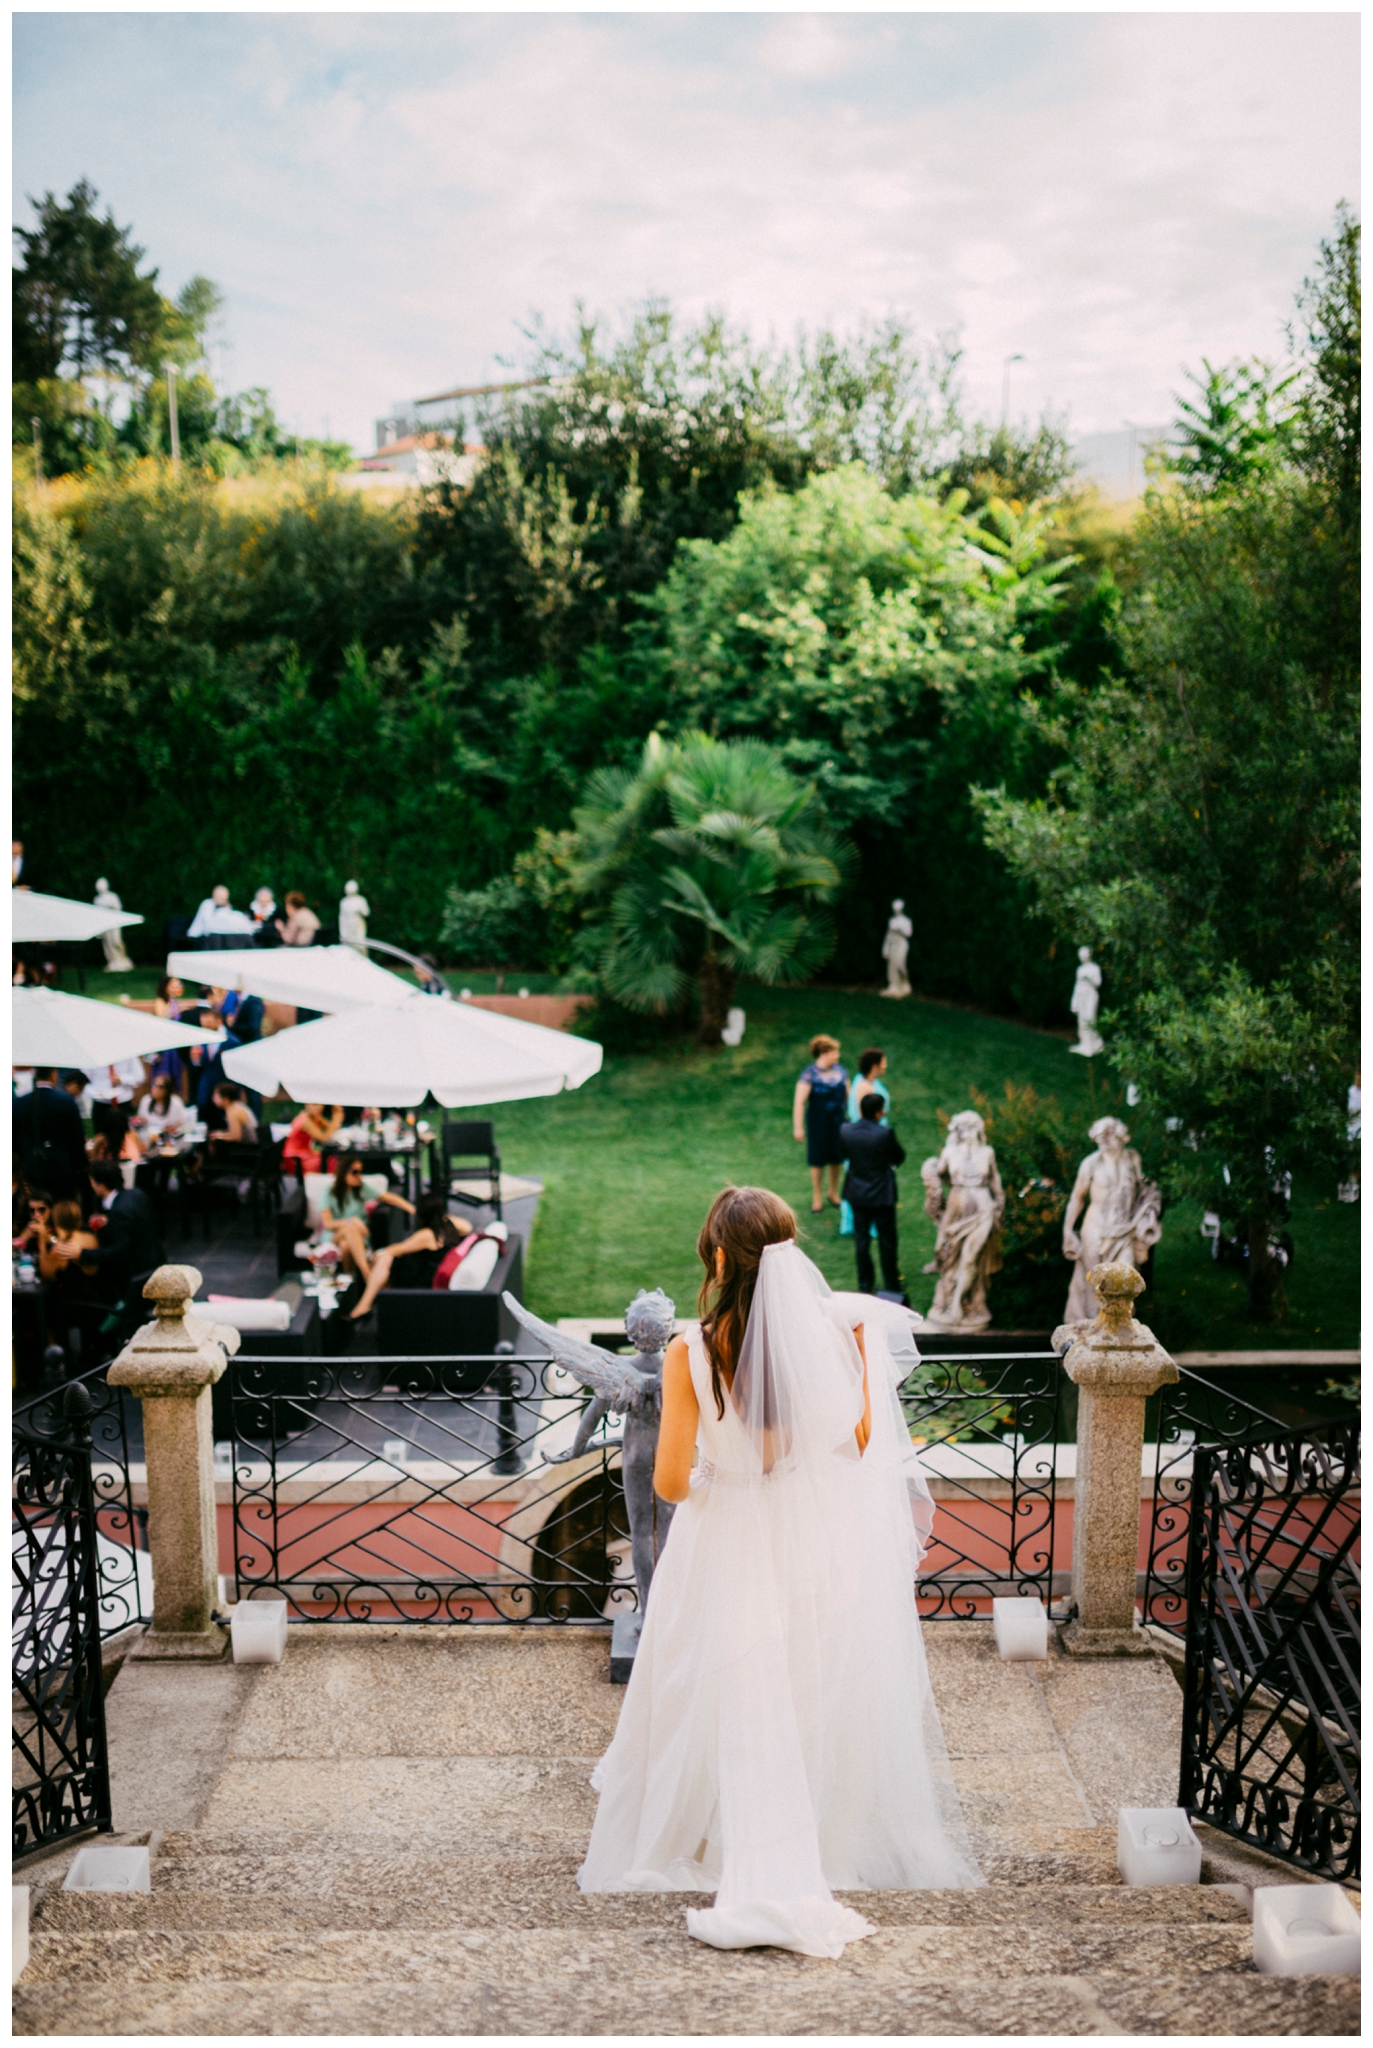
353, 913
896, 949
117, 960
629, 1387
968, 1248
1085, 1004
1122, 1219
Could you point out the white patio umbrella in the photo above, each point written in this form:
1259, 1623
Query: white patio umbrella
329, 978
51, 1029
397, 1056
42, 920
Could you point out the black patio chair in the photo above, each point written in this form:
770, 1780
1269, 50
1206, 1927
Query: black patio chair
222, 1163
470, 1153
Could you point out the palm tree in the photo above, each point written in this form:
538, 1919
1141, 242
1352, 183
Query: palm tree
708, 864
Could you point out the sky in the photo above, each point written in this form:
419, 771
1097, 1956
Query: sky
387, 200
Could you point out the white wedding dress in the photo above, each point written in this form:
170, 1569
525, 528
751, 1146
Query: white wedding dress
779, 1741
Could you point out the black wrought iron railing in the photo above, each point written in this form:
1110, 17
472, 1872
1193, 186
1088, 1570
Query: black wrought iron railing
1194, 1410
61, 1779
421, 1490
124, 1567
431, 1490
989, 1425
1271, 1704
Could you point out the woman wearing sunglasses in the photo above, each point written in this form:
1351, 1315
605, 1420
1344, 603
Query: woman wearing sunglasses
345, 1216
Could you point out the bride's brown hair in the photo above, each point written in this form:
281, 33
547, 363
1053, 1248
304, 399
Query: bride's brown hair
741, 1224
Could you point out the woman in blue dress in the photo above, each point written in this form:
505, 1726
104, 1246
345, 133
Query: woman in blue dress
817, 1112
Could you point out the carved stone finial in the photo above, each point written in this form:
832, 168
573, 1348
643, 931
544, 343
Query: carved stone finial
1117, 1287
178, 1353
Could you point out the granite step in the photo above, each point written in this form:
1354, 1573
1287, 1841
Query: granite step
296, 1896
754, 1992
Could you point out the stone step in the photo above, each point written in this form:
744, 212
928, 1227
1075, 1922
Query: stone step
648, 1988
297, 1898
131, 1956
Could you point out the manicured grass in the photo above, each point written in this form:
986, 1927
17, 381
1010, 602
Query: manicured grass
632, 1161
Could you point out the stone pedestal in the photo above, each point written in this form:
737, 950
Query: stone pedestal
171, 1365
1116, 1364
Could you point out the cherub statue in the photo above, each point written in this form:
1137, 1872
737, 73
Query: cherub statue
629, 1387
968, 1248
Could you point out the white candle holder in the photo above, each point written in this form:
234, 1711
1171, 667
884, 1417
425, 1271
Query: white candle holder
19, 1944
257, 1629
1155, 1845
1305, 1930
109, 1870
1021, 1628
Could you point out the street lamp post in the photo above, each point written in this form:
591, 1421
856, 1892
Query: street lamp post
172, 427
1006, 388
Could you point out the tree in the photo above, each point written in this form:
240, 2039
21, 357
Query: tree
704, 864
1237, 428
1201, 827
1242, 1087
80, 299
487, 927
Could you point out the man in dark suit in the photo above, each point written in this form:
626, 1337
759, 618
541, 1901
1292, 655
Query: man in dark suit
48, 1128
874, 1152
129, 1242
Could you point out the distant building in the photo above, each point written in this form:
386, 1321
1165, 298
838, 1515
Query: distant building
1114, 461
430, 458
444, 413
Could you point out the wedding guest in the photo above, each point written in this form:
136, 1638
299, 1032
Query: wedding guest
129, 1242
240, 1125
217, 925
873, 1151
162, 1113
46, 1120
416, 1259
872, 1065
345, 1215
312, 1128
59, 1235
300, 924
816, 1114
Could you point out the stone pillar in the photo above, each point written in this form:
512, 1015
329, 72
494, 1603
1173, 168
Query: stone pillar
1116, 1364
171, 1365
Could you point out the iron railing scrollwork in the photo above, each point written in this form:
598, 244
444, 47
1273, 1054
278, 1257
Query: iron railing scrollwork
1192, 1411
1271, 1711
988, 1424
61, 1781
420, 1489
124, 1565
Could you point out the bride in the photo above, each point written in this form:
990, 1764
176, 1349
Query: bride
770, 1744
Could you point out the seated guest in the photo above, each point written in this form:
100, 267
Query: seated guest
58, 1237
345, 1216
30, 1213
47, 1120
128, 1243
416, 1259
240, 1125
300, 924
218, 925
313, 1127
162, 1113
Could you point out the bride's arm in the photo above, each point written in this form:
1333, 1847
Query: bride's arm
864, 1429
677, 1431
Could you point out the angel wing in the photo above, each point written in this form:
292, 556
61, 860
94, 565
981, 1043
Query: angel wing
614, 1379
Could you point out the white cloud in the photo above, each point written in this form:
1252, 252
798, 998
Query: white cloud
386, 199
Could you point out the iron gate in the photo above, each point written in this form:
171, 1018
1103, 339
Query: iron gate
1271, 1715
61, 1763
420, 1489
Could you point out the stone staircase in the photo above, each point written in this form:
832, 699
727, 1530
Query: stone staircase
349, 1869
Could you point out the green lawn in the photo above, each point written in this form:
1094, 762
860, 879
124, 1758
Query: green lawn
631, 1162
